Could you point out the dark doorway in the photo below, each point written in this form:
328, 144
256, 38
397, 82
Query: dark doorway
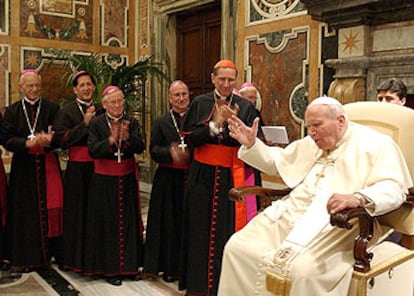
198, 46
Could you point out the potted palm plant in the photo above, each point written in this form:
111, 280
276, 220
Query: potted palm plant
131, 79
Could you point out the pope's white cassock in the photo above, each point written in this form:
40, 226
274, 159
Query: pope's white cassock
293, 236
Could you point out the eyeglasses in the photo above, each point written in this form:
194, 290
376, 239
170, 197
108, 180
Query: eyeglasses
31, 86
116, 102
179, 95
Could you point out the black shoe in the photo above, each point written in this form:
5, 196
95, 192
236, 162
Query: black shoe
169, 278
12, 277
4, 266
136, 277
27, 270
62, 267
116, 281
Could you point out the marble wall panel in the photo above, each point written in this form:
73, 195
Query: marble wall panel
114, 23
281, 79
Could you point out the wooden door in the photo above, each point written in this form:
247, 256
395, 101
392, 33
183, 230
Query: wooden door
198, 47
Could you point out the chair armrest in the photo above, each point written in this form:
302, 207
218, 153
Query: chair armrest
366, 231
410, 197
265, 194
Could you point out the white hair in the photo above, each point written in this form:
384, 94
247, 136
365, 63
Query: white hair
333, 104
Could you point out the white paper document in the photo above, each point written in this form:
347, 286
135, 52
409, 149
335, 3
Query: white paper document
276, 134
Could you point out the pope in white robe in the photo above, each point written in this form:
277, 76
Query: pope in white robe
339, 165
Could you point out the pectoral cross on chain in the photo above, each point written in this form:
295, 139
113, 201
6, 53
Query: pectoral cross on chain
118, 154
31, 137
182, 145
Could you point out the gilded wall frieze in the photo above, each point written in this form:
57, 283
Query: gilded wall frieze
272, 10
56, 20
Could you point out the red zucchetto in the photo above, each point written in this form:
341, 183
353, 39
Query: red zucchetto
110, 89
225, 64
77, 74
27, 72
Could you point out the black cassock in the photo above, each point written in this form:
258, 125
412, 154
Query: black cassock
72, 134
31, 223
208, 213
164, 223
114, 230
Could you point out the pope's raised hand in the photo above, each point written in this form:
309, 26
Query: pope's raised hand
242, 133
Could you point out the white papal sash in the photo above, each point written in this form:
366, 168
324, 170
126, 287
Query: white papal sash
313, 222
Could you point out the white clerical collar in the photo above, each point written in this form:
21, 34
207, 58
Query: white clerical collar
30, 101
180, 113
219, 95
113, 117
89, 103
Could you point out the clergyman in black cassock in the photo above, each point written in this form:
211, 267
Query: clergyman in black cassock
35, 199
114, 229
72, 129
164, 222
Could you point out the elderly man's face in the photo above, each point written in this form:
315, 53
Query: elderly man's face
323, 128
224, 81
250, 94
31, 86
389, 96
114, 103
179, 97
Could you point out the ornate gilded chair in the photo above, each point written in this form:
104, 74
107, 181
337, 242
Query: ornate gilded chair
387, 268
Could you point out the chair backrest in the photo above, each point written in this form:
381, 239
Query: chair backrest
397, 122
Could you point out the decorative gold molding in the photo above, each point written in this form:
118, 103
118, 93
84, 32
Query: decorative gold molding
348, 90
143, 26
4, 18
114, 23
271, 10
4, 74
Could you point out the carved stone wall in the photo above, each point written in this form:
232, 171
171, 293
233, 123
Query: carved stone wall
374, 43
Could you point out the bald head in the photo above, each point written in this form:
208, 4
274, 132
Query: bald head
179, 96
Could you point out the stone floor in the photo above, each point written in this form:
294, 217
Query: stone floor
54, 282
